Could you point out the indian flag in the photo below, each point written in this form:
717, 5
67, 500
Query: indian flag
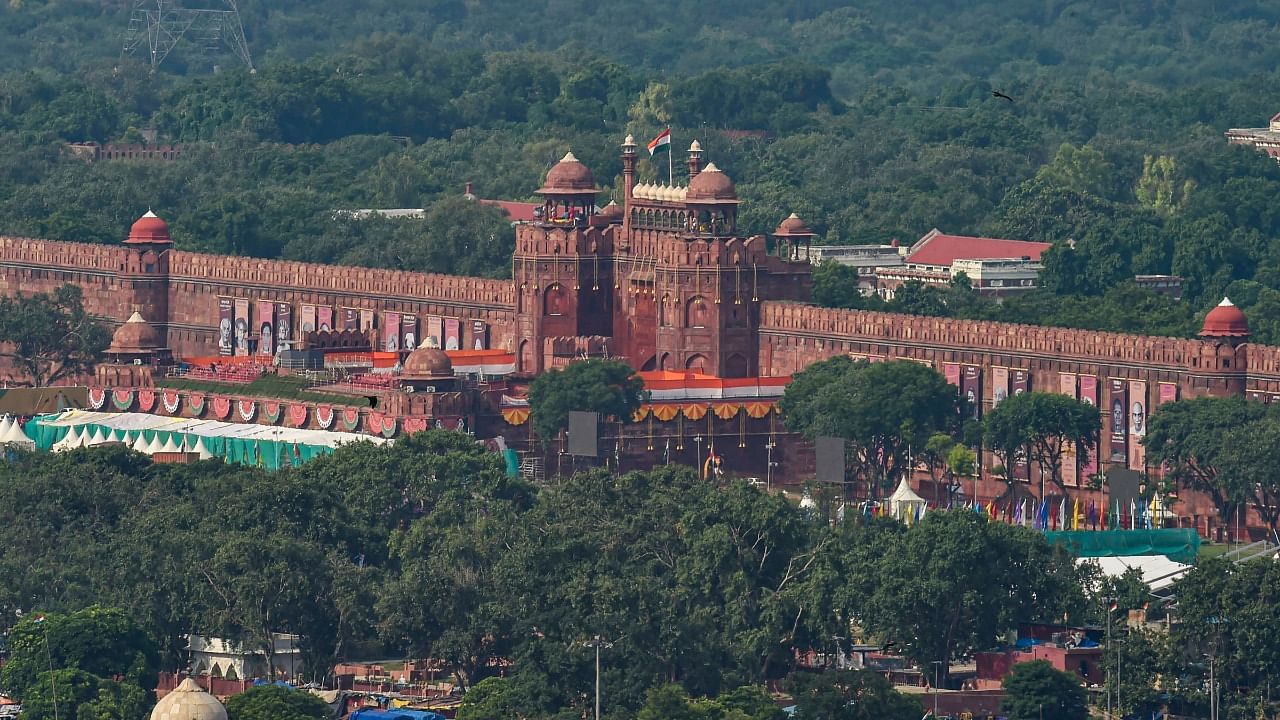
660, 143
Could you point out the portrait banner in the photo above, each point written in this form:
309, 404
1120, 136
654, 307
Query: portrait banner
452, 334
226, 324
999, 385
266, 327
1137, 424
1089, 396
409, 332
391, 331
242, 326
284, 326
1118, 421
308, 318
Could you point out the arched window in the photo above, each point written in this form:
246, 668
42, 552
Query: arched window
697, 312
697, 363
555, 300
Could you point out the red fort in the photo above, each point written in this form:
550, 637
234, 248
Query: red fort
663, 280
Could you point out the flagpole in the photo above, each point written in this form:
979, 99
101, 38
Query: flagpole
670, 165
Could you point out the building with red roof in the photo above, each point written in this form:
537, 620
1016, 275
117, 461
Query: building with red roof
995, 266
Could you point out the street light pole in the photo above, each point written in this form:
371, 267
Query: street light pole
768, 469
936, 668
697, 461
598, 642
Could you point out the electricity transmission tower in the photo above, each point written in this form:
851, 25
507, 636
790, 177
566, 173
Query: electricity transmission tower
160, 25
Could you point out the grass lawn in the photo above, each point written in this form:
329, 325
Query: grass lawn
274, 386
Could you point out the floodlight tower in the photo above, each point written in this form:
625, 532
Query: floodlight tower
161, 24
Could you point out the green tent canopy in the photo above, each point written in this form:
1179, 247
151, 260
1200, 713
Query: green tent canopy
1179, 545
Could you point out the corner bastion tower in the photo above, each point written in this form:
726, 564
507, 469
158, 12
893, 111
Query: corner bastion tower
664, 281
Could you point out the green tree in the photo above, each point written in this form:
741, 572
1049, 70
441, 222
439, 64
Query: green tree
75, 693
272, 702
849, 695
1247, 469
1163, 187
1043, 426
951, 584
608, 387
51, 336
883, 409
1190, 436
835, 285
1081, 169
103, 642
1036, 690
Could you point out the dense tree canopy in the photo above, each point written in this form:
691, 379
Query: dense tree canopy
608, 387
882, 409
50, 336
1035, 690
427, 549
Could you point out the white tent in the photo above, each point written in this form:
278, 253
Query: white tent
170, 446
1158, 571
200, 448
15, 436
155, 445
116, 436
95, 439
70, 441
5, 424
139, 444
904, 502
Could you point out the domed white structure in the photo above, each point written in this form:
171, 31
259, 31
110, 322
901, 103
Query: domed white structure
189, 701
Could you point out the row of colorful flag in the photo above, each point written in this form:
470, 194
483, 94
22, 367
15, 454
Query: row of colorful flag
1043, 516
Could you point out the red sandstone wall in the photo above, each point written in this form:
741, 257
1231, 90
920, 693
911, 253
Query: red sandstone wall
29, 266
196, 281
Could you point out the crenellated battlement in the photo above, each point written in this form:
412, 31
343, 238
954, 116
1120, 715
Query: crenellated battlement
61, 255
186, 266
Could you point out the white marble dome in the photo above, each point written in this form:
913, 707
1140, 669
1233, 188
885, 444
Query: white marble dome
189, 701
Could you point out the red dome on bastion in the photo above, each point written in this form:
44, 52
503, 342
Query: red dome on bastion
149, 229
1225, 320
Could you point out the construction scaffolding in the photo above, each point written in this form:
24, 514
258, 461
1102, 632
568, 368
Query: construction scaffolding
160, 25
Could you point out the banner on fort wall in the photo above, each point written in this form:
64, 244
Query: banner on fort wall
1118, 420
479, 335
1168, 393
366, 320
1019, 382
971, 388
266, 327
308, 320
999, 385
324, 319
951, 372
350, 319
452, 334
1089, 396
1070, 458
409, 331
284, 326
226, 321
435, 330
1137, 424
243, 333
391, 331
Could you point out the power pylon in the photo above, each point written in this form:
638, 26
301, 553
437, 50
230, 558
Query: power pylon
162, 25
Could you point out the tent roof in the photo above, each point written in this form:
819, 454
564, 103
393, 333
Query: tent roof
1158, 571
33, 401
207, 428
904, 494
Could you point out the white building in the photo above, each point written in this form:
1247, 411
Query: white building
222, 658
